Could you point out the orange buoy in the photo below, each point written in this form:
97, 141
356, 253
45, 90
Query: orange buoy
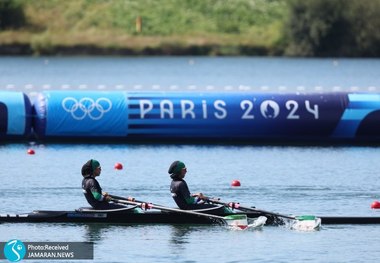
118, 166
235, 183
375, 205
30, 151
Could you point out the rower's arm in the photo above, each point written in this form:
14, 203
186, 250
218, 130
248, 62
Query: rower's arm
98, 196
190, 200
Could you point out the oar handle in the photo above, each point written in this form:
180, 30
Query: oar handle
232, 205
121, 197
143, 205
128, 199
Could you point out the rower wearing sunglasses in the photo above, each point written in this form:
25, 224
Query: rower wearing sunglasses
180, 191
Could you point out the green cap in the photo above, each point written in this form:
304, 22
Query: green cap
179, 167
94, 164
176, 167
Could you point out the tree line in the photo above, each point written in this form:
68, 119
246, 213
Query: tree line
333, 28
338, 28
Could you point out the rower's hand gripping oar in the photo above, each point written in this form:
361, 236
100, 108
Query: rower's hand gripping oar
305, 222
239, 221
123, 198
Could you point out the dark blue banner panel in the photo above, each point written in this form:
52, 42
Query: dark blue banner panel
176, 115
15, 115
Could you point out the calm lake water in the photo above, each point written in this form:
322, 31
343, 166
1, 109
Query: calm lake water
291, 180
308, 180
189, 73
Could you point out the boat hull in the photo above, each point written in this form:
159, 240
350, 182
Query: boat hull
148, 217
156, 217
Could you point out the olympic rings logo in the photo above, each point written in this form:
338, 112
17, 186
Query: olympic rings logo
94, 109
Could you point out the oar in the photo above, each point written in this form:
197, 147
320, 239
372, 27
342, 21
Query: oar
239, 221
305, 222
125, 198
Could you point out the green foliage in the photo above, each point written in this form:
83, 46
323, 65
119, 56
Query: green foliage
11, 14
164, 17
365, 22
41, 44
213, 27
333, 28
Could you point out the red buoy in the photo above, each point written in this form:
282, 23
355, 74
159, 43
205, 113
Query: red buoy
30, 151
235, 183
118, 166
375, 205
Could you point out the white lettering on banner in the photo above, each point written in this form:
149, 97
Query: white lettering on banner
169, 110
269, 109
204, 109
247, 107
314, 111
145, 107
189, 110
292, 106
222, 114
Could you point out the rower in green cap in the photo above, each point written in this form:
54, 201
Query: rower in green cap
91, 189
180, 191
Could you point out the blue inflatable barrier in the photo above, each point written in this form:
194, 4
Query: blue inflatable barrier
81, 114
185, 115
15, 115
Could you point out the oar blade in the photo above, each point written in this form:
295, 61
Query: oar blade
237, 221
257, 222
306, 223
305, 217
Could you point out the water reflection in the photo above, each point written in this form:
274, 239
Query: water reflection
93, 232
97, 232
183, 235
179, 235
